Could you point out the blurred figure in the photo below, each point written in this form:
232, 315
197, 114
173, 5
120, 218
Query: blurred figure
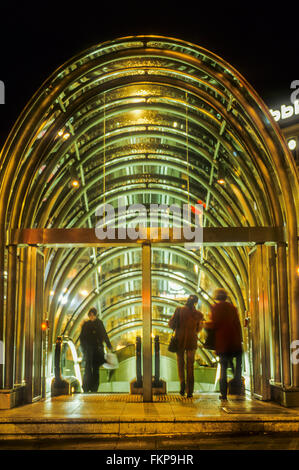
92, 336
224, 319
186, 321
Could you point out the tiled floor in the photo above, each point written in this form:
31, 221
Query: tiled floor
120, 422
129, 406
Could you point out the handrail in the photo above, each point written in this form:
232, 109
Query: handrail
60, 340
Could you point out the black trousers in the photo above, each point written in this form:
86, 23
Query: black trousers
93, 360
225, 361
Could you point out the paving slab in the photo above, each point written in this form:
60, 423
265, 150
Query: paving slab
121, 417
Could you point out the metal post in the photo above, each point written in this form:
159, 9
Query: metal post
45, 362
29, 321
147, 322
157, 361
138, 363
10, 318
2, 292
20, 327
275, 350
283, 312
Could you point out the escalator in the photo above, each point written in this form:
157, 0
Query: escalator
67, 374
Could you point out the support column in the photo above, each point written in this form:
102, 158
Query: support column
9, 357
293, 282
286, 393
20, 325
147, 322
275, 330
2, 293
29, 321
283, 312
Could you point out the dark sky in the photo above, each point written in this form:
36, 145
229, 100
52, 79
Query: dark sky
262, 42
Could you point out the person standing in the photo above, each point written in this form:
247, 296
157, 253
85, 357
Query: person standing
92, 336
224, 319
186, 321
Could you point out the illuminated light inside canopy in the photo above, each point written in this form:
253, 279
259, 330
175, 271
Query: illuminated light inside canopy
292, 144
75, 183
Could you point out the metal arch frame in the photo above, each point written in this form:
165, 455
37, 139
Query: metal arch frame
277, 155
61, 283
188, 255
87, 271
100, 176
121, 137
135, 275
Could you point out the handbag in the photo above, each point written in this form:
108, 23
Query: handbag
210, 339
173, 343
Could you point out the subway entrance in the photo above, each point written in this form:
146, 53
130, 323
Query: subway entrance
153, 121
136, 304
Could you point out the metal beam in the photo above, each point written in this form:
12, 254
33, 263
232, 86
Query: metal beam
61, 237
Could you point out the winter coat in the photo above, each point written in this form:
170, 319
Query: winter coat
224, 319
92, 335
187, 323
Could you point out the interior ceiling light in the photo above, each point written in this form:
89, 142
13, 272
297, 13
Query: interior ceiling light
292, 144
75, 182
84, 292
221, 174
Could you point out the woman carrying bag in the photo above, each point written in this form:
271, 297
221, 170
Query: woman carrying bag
186, 321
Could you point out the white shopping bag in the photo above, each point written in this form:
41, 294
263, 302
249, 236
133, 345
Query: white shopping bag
111, 361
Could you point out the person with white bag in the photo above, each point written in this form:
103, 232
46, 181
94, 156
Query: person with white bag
92, 337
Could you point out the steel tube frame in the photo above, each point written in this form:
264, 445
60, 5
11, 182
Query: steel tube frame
147, 322
264, 148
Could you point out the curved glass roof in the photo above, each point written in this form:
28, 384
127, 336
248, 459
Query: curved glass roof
154, 121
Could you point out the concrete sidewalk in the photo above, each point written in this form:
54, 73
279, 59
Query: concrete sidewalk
117, 420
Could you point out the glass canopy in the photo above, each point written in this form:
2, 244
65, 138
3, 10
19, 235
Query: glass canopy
151, 120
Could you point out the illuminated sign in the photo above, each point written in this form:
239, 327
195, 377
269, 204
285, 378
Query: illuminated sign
285, 111
2, 92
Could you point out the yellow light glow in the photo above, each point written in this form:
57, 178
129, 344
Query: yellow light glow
292, 144
221, 181
84, 292
45, 325
60, 133
75, 184
66, 135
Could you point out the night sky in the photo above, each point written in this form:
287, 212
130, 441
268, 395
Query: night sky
261, 42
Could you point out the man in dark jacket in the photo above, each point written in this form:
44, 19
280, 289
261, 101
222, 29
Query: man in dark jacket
92, 336
224, 319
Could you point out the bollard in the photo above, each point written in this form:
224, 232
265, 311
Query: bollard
157, 362
138, 362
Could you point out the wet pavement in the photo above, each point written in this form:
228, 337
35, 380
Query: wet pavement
124, 422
